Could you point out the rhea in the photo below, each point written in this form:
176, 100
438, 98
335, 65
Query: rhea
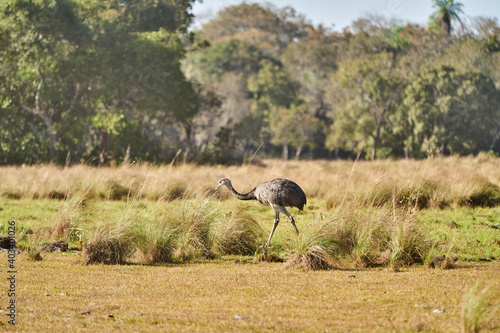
278, 193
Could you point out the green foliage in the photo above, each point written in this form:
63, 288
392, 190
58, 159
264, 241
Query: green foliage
447, 10
101, 73
270, 27
106, 82
371, 90
271, 86
450, 112
296, 126
232, 55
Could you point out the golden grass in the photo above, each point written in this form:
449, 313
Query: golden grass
110, 243
351, 237
171, 214
61, 294
433, 183
481, 308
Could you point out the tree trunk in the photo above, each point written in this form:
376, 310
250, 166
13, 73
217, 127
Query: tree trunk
297, 153
47, 119
285, 152
446, 24
188, 132
375, 142
374, 151
103, 145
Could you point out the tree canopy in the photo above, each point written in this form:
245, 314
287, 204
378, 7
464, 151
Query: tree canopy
107, 82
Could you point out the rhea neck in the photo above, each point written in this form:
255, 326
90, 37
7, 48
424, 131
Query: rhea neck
248, 196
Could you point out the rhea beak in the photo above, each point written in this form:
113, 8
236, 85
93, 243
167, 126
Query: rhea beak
218, 187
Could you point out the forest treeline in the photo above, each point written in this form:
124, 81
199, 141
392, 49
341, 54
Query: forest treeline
108, 82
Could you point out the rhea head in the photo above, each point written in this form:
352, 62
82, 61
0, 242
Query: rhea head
223, 181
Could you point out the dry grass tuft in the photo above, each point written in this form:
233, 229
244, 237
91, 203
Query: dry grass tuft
194, 222
237, 233
316, 248
269, 257
110, 243
481, 308
157, 243
11, 195
113, 190
68, 219
34, 252
35, 246
408, 243
443, 261
353, 237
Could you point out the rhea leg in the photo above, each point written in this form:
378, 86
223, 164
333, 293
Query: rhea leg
283, 210
276, 221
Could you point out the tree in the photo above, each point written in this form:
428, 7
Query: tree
220, 58
447, 11
271, 28
312, 60
84, 73
451, 112
37, 37
296, 126
370, 92
271, 90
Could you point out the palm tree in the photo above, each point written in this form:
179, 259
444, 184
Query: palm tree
447, 10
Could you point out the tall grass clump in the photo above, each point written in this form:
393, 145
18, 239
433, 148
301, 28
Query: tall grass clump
477, 192
110, 243
68, 219
237, 233
408, 242
158, 238
481, 309
316, 248
357, 237
34, 248
194, 221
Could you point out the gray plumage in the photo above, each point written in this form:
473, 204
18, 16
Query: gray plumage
278, 193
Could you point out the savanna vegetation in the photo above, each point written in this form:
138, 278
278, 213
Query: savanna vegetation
154, 247
409, 241
109, 82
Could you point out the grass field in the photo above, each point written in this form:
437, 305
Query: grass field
190, 259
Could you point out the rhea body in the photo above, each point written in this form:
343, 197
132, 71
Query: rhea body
277, 193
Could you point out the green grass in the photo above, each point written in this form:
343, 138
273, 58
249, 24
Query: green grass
475, 239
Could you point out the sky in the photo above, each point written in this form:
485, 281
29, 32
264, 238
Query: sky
337, 14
